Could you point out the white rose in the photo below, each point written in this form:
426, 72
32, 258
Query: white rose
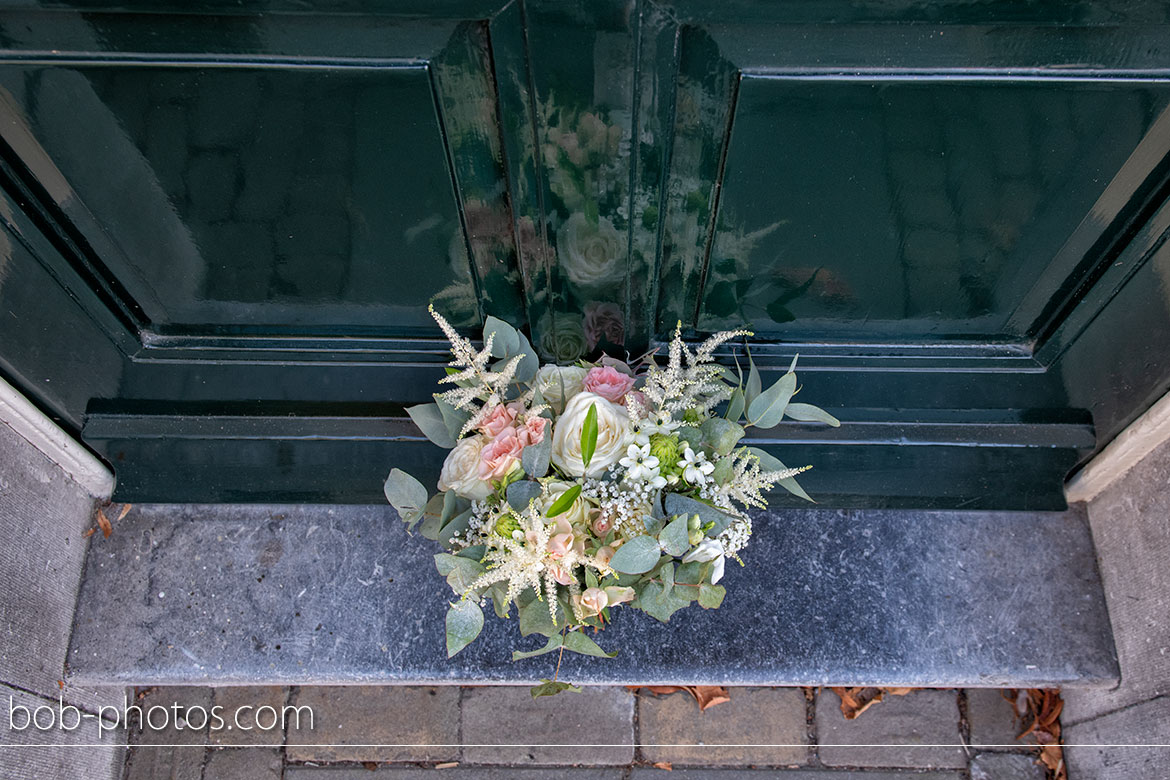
461, 469
592, 255
574, 514
614, 435
560, 383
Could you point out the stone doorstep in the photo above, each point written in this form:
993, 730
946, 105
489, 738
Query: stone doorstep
302, 595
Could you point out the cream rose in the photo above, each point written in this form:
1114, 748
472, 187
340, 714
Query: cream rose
593, 255
560, 383
614, 435
575, 514
461, 469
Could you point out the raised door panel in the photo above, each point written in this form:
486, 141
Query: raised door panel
283, 175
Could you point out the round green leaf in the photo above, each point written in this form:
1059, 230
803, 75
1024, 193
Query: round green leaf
464, 622
637, 556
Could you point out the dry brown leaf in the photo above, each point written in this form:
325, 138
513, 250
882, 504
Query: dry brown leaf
1040, 709
370, 765
706, 696
855, 701
663, 765
104, 523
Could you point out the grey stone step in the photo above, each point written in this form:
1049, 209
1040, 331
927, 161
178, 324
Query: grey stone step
259, 594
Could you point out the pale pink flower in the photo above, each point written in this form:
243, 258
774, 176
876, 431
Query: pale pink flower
592, 601
498, 420
500, 456
602, 523
609, 383
562, 541
532, 432
605, 554
561, 573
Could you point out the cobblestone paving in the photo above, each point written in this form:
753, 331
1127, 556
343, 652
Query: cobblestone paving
499, 732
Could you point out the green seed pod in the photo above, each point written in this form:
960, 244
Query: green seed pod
506, 525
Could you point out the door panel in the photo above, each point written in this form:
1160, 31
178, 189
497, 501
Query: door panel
908, 210
953, 213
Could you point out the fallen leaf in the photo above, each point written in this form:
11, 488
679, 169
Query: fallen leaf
855, 701
1040, 709
370, 765
663, 765
447, 765
104, 523
706, 696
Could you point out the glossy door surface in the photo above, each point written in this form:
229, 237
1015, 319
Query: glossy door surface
225, 223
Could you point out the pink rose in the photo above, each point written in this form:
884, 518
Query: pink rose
500, 456
609, 383
562, 541
605, 555
498, 420
532, 431
602, 523
604, 320
561, 573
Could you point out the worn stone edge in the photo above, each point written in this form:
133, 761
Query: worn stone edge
31, 424
1138, 440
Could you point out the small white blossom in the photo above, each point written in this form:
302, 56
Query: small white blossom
640, 464
695, 466
708, 550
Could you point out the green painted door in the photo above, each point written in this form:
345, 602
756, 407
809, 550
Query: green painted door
224, 224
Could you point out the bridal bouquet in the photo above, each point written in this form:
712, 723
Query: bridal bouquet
572, 491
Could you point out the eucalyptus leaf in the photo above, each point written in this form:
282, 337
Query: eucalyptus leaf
636, 556
506, 341
690, 435
430, 421
735, 405
432, 518
459, 524
453, 418
552, 688
498, 592
770, 463
554, 642
459, 571
752, 391
810, 413
530, 364
534, 619
565, 502
684, 505
767, 409
723, 471
589, 435
579, 643
407, 495
464, 622
475, 552
674, 537
521, 493
666, 574
659, 603
721, 435
535, 457
711, 596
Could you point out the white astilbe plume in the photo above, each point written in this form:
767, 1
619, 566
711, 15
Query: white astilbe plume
477, 382
525, 562
748, 481
690, 380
